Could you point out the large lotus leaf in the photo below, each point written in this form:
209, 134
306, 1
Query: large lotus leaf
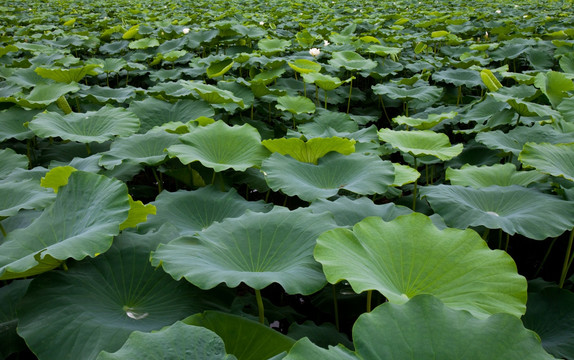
153, 112
272, 46
312, 150
459, 77
498, 174
526, 108
10, 297
99, 302
68, 75
554, 85
46, 94
81, 222
325, 82
93, 126
421, 143
304, 66
193, 211
348, 212
12, 123
350, 60
424, 124
143, 43
553, 159
176, 342
25, 194
409, 256
219, 68
11, 161
256, 248
212, 94
514, 209
104, 94
358, 173
221, 147
514, 140
148, 149
244, 338
419, 96
295, 104
550, 313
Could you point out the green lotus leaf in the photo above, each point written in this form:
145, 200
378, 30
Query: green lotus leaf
268, 76
194, 211
550, 314
358, 173
459, 77
304, 66
221, 147
424, 124
304, 349
272, 46
417, 97
498, 174
553, 159
509, 208
138, 213
93, 126
489, 80
11, 161
554, 85
106, 299
46, 94
514, 140
312, 150
176, 342
57, 177
350, 60
256, 248
24, 194
526, 108
212, 94
83, 220
73, 75
143, 43
404, 175
219, 68
295, 104
153, 112
421, 143
10, 297
348, 212
381, 50
148, 149
12, 122
104, 94
409, 256
325, 82
244, 338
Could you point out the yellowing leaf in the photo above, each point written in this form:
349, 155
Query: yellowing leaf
57, 177
138, 213
490, 80
312, 150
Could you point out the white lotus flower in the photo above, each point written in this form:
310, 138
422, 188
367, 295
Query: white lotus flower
486, 34
325, 43
185, 30
262, 23
498, 11
314, 52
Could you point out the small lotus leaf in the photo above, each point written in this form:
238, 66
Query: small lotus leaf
510, 208
421, 143
272, 46
256, 248
143, 43
295, 104
424, 124
358, 173
498, 174
417, 97
350, 60
219, 68
212, 94
176, 342
409, 256
221, 147
93, 126
553, 159
312, 150
304, 66
404, 174
325, 82
57, 177
138, 213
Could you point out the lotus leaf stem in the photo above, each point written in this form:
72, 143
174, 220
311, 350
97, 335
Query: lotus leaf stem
63, 105
545, 257
369, 300
567, 261
336, 306
88, 149
260, 306
2, 230
157, 179
507, 242
485, 234
350, 92
459, 95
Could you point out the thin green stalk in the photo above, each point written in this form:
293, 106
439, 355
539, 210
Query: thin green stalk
459, 96
260, 306
545, 257
500, 239
2, 230
369, 300
485, 234
350, 92
267, 196
384, 109
157, 179
336, 306
63, 105
567, 261
213, 177
507, 242
88, 149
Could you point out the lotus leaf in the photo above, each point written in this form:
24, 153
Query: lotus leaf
73, 75
93, 126
12, 123
526, 108
498, 174
272, 46
459, 77
57, 177
304, 66
295, 104
103, 94
176, 342
510, 208
312, 150
10, 297
417, 97
26, 194
553, 159
256, 248
212, 94
83, 220
46, 94
409, 256
404, 175
358, 173
153, 112
11, 161
107, 298
143, 43
350, 60
424, 124
194, 211
221, 147
219, 68
138, 213
244, 338
421, 143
